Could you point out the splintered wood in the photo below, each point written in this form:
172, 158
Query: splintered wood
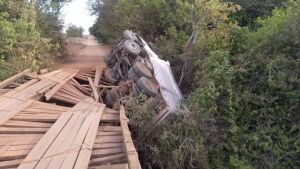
86, 134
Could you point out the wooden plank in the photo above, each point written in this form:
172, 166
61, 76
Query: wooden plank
95, 92
106, 152
114, 166
112, 159
13, 155
49, 119
10, 164
132, 155
86, 149
42, 146
21, 147
19, 139
111, 111
5, 117
18, 130
56, 153
101, 133
98, 75
52, 140
110, 118
48, 106
110, 128
6, 82
71, 157
109, 139
107, 145
12, 123
49, 94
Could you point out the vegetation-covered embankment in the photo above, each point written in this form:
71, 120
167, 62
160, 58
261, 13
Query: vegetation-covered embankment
240, 65
30, 35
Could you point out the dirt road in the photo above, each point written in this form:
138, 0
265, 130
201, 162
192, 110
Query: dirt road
84, 53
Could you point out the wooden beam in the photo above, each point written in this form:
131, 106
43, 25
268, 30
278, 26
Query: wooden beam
87, 146
97, 76
95, 92
13, 78
132, 155
5, 117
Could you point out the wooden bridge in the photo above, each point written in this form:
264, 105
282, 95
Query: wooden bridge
55, 120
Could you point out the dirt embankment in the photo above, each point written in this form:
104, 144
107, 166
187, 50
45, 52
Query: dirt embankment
84, 53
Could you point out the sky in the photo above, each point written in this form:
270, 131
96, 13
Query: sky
77, 13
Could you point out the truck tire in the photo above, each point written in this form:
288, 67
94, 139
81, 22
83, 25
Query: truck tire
147, 86
132, 47
109, 100
142, 70
129, 35
109, 76
111, 97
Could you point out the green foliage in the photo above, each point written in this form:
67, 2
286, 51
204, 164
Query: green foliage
175, 144
244, 91
20, 41
74, 31
253, 9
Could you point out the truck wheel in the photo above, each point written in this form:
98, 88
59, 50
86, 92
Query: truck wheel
142, 70
109, 100
147, 86
129, 35
111, 97
132, 47
109, 76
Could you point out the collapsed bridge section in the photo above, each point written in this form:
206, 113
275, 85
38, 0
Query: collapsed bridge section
51, 121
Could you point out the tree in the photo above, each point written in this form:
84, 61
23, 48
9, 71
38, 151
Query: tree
21, 45
74, 31
253, 9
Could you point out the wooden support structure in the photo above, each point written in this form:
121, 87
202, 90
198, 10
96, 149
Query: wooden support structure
35, 134
66, 144
19, 136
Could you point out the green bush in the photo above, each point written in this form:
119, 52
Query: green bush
21, 44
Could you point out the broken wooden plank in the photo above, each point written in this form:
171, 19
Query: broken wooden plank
49, 94
95, 92
98, 75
